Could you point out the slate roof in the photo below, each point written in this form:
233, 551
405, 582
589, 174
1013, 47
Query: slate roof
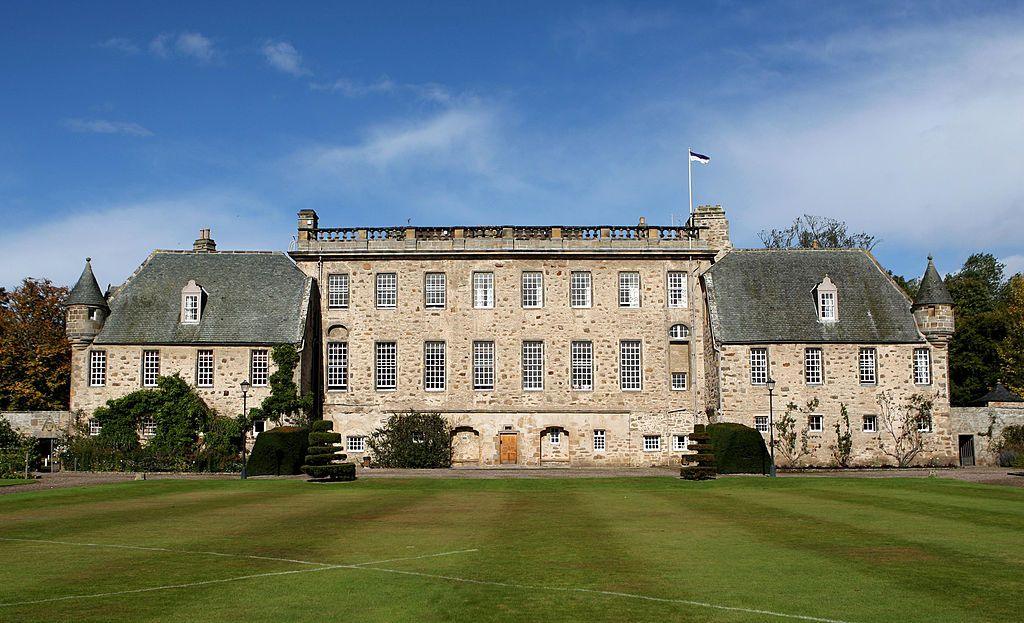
249, 298
767, 296
87, 291
999, 393
933, 289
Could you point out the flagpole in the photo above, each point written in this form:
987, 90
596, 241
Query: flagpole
689, 178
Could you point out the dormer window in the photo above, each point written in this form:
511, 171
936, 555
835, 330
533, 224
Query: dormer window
828, 300
191, 303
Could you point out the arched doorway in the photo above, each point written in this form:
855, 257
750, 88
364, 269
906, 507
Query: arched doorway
554, 446
465, 447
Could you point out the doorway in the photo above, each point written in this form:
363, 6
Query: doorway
966, 450
508, 448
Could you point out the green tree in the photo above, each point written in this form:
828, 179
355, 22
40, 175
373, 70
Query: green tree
284, 399
816, 232
35, 355
413, 440
1011, 348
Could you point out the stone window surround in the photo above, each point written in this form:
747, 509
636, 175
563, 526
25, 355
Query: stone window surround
435, 366
678, 290
338, 290
532, 286
97, 368
435, 290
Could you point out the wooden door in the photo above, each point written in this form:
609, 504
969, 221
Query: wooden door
508, 449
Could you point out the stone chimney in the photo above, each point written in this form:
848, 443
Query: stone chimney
308, 222
715, 226
204, 244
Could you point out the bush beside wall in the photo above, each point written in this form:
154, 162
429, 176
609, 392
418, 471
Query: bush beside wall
739, 449
279, 451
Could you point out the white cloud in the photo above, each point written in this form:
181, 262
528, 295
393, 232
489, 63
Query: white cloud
131, 230
429, 91
119, 44
184, 44
1014, 264
103, 126
283, 56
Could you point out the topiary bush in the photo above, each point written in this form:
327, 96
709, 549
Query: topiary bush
323, 461
699, 466
278, 451
738, 449
413, 440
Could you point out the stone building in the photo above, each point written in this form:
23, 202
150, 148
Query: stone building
209, 316
541, 345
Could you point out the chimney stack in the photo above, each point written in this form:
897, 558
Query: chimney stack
204, 244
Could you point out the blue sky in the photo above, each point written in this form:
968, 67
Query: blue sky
129, 126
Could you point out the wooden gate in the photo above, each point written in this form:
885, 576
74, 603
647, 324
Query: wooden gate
966, 450
508, 449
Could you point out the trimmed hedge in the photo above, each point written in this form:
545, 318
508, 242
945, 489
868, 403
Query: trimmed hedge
739, 449
322, 453
278, 451
699, 466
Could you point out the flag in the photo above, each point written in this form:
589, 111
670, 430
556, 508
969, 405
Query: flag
701, 158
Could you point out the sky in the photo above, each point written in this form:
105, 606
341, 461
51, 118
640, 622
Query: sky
130, 126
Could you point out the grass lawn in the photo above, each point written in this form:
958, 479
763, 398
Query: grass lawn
623, 550
6, 482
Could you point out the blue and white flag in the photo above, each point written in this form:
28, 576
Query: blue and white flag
701, 158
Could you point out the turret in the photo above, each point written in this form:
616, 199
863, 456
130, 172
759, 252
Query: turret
933, 307
86, 308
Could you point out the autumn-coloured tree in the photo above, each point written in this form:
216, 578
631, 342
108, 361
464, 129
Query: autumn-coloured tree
35, 355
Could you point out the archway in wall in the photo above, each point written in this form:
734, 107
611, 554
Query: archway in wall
466, 451
554, 446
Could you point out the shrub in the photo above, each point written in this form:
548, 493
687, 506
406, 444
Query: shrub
323, 460
738, 449
278, 451
284, 400
413, 440
222, 446
699, 466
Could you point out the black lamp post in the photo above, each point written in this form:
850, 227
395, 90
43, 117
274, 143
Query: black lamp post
771, 422
245, 421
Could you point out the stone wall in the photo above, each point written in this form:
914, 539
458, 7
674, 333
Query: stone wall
742, 401
39, 424
626, 415
984, 424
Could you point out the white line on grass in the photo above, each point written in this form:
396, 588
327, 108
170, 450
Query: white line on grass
150, 589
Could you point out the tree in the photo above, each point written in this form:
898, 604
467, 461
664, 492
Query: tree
909, 286
900, 435
843, 446
323, 457
35, 355
979, 286
284, 400
1011, 348
413, 440
817, 232
792, 443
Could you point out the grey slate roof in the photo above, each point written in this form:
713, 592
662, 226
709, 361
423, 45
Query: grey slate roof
933, 289
250, 298
86, 290
999, 393
767, 296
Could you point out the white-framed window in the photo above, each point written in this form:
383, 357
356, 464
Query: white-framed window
149, 428
870, 424
677, 288
827, 305
922, 366
386, 365
337, 366
758, 366
600, 440
533, 289
204, 368
814, 373
630, 367
554, 436
679, 333
580, 289
190, 310
581, 355
97, 368
418, 437
94, 427
258, 426
434, 368
678, 381
761, 423
629, 289
94, 313
337, 291
259, 367
387, 290
868, 366
680, 443
652, 443
483, 290
483, 365
355, 443
150, 367
924, 424
533, 365
435, 295
815, 423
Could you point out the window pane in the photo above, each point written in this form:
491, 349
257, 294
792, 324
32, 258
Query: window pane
387, 290
150, 367
868, 370
678, 381
483, 365
260, 368
483, 290
758, 366
630, 373
434, 294
679, 332
386, 365
582, 359
677, 289
434, 366
337, 291
355, 443
599, 440
652, 443
629, 289
97, 368
337, 365
813, 373
191, 308
533, 365
579, 289
204, 368
827, 304
761, 423
533, 289
922, 366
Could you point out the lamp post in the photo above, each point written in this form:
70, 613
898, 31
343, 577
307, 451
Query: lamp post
771, 422
245, 421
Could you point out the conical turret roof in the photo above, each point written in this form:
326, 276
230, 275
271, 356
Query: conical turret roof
87, 291
933, 289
